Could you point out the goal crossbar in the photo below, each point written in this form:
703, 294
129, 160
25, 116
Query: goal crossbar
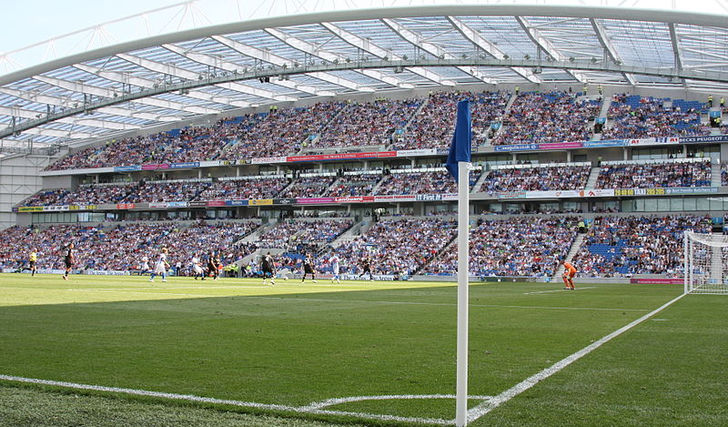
706, 263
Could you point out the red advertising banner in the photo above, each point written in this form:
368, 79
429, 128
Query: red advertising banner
342, 156
216, 203
125, 205
155, 166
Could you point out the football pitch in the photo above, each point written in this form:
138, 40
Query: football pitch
366, 353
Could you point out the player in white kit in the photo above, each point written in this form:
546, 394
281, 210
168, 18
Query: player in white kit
197, 268
161, 266
334, 261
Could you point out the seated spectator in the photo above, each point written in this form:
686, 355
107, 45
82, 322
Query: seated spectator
679, 173
540, 178
555, 116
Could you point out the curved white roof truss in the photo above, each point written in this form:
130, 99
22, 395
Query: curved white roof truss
214, 70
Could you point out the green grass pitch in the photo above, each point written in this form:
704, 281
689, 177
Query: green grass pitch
294, 344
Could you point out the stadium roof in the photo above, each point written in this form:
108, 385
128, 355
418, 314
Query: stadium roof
212, 70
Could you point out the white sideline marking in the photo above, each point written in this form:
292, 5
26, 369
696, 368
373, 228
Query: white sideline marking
557, 290
489, 405
314, 408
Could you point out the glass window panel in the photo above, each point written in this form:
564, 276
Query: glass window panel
676, 204
663, 204
650, 205
689, 204
702, 204
716, 204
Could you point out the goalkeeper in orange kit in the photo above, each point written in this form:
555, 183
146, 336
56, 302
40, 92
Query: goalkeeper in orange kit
569, 273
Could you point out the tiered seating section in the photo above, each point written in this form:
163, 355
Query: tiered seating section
647, 174
625, 246
120, 247
434, 125
536, 178
519, 246
632, 116
514, 247
548, 117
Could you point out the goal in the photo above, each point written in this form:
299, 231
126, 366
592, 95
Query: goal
706, 259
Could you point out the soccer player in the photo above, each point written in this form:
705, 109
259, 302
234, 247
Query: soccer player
212, 265
144, 268
308, 268
68, 260
161, 266
196, 268
366, 266
569, 273
267, 266
33, 261
334, 261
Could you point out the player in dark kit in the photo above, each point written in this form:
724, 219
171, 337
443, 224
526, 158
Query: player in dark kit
212, 266
366, 266
267, 266
68, 260
308, 268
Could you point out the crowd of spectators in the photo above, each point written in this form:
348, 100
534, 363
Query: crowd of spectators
631, 116
120, 247
555, 116
652, 175
434, 125
234, 189
367, 123
512, 247
395, 246
355, 185
289, 234
421, 182
625, 246
283, 131
310, 186
540, 178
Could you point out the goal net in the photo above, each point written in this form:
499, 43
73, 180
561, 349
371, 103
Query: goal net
706, 259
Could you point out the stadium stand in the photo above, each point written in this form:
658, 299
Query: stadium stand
655, 173
633, 116
536, 177
519, 246
433, 126
629, 245
554, 116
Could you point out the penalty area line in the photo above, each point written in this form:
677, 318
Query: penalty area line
315, 408
487, 406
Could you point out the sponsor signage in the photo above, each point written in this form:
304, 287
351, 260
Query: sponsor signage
55, 208
420, 152
155, 166
177, 204
639, 192
284, 201
158, 205
314, 200
428, 197
197, 204
125, 206
691, 190
30, 209
260, 202
699, 139
395, 198
657, 281
127, 168
342, 156
236, 202
265, 160
515, 147
354, 199
606, 143
185, 165
216, 203
560, 145
653, 141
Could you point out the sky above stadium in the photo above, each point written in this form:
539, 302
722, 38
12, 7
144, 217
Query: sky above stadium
37, 31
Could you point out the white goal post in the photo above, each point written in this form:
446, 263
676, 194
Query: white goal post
706, 263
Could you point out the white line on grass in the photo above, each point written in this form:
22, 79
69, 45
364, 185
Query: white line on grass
310, 409
557, 290
487, 406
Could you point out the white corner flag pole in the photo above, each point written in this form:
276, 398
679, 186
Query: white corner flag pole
461, 397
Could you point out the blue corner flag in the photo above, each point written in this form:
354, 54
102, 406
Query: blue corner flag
460, 146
